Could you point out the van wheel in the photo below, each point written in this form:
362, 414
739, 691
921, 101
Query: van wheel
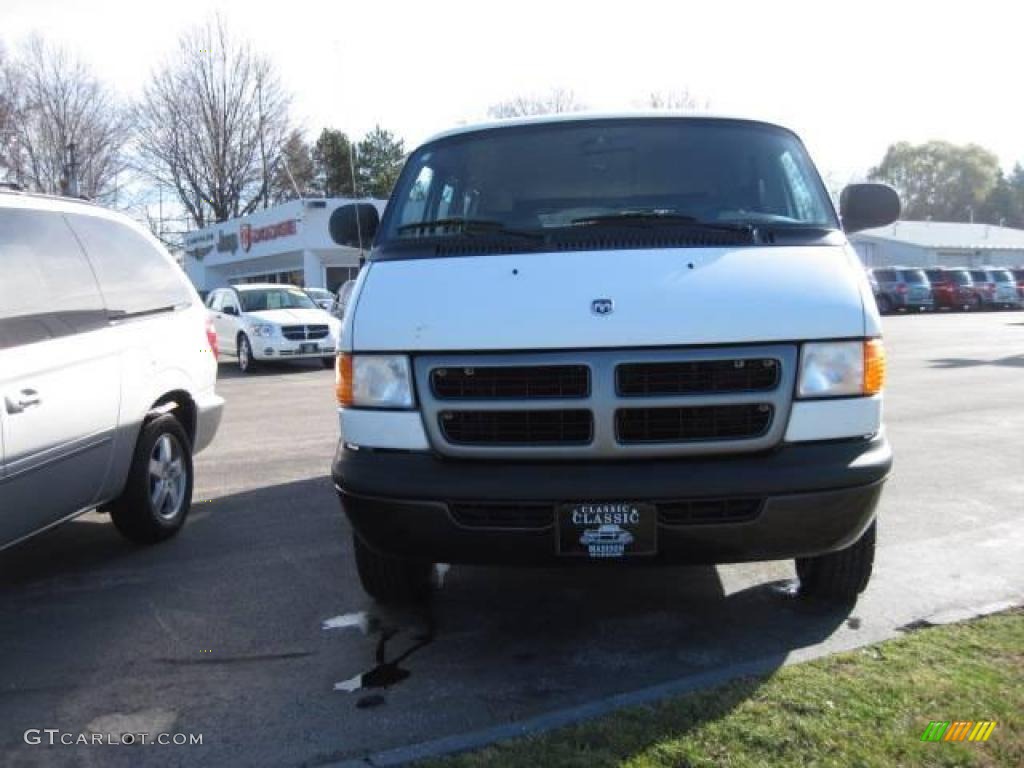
246, 363
158, 495
328, 362
884, 305
390, 579
839, 576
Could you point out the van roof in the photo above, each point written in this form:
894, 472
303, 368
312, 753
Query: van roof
585, 116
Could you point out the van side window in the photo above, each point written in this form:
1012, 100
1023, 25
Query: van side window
134, 276
47, 288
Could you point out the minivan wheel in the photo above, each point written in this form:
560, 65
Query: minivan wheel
839, 576
245, 359
328, 362
884, 305
158, 495
390, 579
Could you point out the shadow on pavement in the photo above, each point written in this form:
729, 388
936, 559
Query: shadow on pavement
223, 628
228, 368
1014, 361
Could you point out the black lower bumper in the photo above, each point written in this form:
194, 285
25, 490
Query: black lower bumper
815, 498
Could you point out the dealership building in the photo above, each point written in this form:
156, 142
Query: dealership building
288, 243
940, 244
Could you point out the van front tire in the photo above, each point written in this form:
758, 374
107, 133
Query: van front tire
158, 494
389, 579
839, 576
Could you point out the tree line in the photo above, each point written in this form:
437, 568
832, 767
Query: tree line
212, 125
948, 182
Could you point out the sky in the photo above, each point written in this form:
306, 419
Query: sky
850, 78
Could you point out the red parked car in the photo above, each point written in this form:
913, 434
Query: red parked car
953, 289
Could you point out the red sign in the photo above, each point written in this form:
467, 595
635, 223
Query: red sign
250, 235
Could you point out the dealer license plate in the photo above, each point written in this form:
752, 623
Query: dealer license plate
601, 530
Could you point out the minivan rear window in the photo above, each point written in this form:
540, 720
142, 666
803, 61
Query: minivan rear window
556, 177
135, 277
47, 289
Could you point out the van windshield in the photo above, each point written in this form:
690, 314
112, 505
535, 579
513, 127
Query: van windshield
547, 178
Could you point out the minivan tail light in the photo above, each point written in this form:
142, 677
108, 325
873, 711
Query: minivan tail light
901, 288
874, 366
211, 338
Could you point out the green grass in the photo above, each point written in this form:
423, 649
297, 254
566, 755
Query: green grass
862, 708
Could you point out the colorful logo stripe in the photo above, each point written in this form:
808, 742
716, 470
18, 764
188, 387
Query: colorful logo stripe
958, 730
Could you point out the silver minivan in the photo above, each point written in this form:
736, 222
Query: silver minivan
107, 372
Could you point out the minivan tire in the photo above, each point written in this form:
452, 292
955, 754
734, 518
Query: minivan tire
327, 362
884, 305
390, 579
839, 576
135, 512
246, 362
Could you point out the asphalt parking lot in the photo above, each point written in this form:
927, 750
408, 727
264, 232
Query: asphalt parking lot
221, 632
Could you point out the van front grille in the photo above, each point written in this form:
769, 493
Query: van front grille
514, 382
520, 428
606, 404
697, 377
716, 422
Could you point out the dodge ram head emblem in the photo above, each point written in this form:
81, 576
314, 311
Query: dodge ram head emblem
602, 306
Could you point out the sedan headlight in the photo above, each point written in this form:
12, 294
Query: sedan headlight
263, 330
841, 369
374, 381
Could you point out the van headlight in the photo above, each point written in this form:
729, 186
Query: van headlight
841, 369
374, 381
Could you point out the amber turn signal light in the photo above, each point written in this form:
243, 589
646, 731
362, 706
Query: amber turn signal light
343, 379
874, 366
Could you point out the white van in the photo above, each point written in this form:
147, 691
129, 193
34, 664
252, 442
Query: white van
108, 367
653, 313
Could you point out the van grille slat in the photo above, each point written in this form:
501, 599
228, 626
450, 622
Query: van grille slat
524, 428
697, 377
510, 382
717, 422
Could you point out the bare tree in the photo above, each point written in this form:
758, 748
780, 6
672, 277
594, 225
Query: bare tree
55, 112
554, 101
211, 125
682, 100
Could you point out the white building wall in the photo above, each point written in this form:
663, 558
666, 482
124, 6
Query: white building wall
289, 241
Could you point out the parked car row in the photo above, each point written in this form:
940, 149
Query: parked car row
909, 288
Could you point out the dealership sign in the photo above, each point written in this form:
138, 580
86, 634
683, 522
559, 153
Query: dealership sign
250, 235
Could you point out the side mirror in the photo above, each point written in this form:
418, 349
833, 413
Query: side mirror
354, 222
231, 311
865, 206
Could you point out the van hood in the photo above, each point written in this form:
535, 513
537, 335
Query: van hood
658, 297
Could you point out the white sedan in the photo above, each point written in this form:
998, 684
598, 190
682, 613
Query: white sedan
263, 322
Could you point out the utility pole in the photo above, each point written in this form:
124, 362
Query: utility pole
72, 171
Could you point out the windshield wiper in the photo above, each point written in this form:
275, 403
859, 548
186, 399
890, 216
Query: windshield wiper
657, 219
461, 226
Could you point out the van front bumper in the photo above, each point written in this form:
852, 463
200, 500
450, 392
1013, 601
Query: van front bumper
815, 498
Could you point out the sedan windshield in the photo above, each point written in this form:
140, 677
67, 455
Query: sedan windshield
641, 173
256, 300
